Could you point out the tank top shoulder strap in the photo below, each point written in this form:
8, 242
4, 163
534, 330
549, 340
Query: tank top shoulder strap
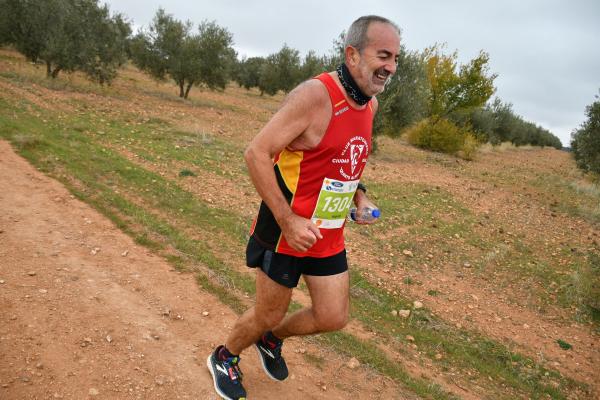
335, 94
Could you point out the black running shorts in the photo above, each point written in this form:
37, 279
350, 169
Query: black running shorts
286, 270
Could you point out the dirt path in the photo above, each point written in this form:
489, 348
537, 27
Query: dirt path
87, 313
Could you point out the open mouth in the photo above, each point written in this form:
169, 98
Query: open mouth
381, 76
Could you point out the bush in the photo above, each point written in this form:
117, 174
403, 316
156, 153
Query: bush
585, 142
469, 148
443, 136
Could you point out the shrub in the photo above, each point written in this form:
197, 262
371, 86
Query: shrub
443, 136
585, 142
469, 148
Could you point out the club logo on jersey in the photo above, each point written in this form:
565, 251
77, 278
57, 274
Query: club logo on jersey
353, 157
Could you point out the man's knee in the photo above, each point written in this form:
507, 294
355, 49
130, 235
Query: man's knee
328, 322
269, 320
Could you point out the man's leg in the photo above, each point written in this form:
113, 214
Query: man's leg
272, 301
329, 310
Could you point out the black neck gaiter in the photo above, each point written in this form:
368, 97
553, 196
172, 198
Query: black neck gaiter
350, 85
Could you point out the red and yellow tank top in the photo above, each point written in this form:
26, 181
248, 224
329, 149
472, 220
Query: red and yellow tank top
319, 184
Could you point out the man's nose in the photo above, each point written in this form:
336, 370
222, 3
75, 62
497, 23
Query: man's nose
391, 68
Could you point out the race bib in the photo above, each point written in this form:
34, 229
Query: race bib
335, 199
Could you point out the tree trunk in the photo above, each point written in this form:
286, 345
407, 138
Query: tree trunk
48, 69
187, 90
181, 92
55, 72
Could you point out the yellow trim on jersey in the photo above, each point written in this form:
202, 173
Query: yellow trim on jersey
339, 103
289, 167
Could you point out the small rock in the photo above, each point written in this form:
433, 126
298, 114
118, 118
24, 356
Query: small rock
155, 337
404, 313
407, 253
4, 385
159, 380
39, 365
86, 341
124, 254
417, 304
353, 363
302, 350
525, 326
467, 265
43, 291
438, 356
1, 281
94, 392
109, 338
31, 273
410, 338
95, 251
394, 313
205, 313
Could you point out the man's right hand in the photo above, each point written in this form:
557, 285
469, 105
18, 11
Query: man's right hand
300, 233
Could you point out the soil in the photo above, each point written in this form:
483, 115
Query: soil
87, 313
69, 279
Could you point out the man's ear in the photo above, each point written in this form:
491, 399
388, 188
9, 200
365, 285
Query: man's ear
352, 56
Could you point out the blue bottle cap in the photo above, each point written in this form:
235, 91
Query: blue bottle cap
376, 213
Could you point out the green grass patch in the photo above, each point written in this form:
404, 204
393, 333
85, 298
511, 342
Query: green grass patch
564, 345
369, 354
461, 349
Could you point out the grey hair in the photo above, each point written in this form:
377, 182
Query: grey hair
357, 33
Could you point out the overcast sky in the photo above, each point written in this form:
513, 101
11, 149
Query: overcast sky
546, 53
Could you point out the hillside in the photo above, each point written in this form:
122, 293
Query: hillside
140, 222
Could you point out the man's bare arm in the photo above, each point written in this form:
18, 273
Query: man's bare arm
360, 198
294, 118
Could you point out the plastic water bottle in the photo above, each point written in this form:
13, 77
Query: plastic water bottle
368, 214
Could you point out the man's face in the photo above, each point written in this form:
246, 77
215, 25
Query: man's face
377, 61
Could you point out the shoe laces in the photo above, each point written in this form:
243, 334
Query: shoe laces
233, 369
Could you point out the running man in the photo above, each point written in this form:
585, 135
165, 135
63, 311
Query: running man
306, 164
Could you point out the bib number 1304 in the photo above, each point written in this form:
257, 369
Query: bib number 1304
335, 199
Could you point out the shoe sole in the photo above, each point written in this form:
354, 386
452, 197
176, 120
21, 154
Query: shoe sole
262, 362
212, 372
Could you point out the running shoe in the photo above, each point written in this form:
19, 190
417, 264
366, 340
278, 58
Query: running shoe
227, 376
271, 359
